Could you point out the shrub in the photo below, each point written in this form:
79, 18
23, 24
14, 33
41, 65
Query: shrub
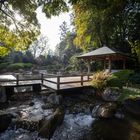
27, 65
119, 79
4, 65
123, 75
114, 81
100, 80
135, 78
17, 66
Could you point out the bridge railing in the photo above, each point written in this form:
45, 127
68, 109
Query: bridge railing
57, 80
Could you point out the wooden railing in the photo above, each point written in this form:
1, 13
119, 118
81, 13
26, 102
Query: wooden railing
47, 77
17, 80
58, 81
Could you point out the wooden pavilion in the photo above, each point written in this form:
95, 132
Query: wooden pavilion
104, 54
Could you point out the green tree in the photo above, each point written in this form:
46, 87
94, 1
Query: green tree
10, 41
27, 9
21, 16
66, 48
39, 47
63, 31
111, 22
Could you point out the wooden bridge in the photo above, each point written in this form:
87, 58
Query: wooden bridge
45, 81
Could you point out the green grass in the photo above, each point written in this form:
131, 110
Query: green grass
129, 92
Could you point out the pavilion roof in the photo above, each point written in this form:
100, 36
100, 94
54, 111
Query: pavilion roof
102, 53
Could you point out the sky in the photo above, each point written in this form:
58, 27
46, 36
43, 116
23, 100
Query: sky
50, 27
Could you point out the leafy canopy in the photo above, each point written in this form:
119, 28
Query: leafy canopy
111, 22
10, 41
21, 16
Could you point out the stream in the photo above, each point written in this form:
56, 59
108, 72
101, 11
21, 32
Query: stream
74, 126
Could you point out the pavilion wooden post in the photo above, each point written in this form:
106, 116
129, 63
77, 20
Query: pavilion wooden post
124, 62
104, 64
109, 65
88, 66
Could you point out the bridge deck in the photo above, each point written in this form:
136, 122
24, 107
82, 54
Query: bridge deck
66, 82
55, 82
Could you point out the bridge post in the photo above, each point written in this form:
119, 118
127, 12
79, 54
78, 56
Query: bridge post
42, 76
88, 77
58, 82
81, 80
17, 79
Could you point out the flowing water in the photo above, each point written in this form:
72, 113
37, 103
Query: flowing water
74, 126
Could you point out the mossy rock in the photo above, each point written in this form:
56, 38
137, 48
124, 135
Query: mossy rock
47, 126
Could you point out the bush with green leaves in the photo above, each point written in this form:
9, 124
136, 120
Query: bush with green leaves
124, 74
100, 80
114, 81
134, 78
4, 65
17, 66
120, 78
28, 65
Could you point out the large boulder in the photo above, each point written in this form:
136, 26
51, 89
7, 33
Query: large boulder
110, 94
55, 99
5, 120
105, 110
26, 120
47, 126
26, 124
48, 106
132, 106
